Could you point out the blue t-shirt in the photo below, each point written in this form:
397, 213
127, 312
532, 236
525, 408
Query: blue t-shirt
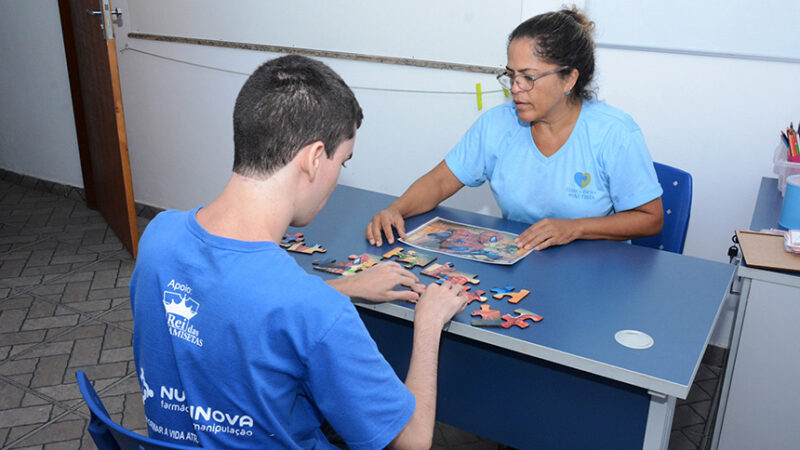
602, 168
236, 346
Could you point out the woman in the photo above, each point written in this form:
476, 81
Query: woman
572, 166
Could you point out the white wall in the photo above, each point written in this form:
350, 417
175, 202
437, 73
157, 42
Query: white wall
716, 118
37, 129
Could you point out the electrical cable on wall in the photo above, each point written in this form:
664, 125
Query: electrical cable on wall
365, 88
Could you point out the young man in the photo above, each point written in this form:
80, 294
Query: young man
235, 345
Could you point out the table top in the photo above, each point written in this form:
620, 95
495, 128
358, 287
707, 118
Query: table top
586, 291
766, 214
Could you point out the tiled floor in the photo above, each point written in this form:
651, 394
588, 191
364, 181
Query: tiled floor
64, 306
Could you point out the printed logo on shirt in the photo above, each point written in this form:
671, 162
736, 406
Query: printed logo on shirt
582, 179
205, 418
180, 310
146, 391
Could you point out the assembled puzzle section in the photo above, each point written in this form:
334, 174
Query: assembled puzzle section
409, 258
296, 243
353, 265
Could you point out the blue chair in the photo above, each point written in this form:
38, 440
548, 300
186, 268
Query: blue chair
107, 434
677, 200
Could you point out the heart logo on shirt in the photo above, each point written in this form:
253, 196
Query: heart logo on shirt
583, 179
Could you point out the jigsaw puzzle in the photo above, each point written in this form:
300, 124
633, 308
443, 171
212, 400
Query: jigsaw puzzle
410, 258
466, 241
289, 239
301, 247
519, 320
296, 243
489, 317
513, 297
354, 264
447, 272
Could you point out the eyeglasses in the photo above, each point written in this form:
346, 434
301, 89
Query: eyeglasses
525, 82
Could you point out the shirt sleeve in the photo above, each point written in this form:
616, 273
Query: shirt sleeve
355, 388
632, 178
467, 160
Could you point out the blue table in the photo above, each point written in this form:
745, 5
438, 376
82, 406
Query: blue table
564, 382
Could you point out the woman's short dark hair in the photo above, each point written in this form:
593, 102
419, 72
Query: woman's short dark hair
286, 104
563, 38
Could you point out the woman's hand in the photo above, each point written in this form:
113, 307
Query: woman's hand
549, 232
422, 196
384, 222
645, 220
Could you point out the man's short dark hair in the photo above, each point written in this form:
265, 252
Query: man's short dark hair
286, 104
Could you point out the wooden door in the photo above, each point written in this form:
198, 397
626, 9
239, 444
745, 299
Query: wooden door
97, 99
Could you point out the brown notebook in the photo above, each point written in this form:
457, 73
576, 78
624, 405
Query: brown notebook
765, 251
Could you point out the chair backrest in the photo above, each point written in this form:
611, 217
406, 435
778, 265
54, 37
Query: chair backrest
677, 200
106, 433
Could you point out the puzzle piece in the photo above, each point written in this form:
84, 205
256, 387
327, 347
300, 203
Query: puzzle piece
489, 317
447, 272
514, 297
354, 264
410, 257
301, 247
458, 279
520, 319
289, 239
476, 296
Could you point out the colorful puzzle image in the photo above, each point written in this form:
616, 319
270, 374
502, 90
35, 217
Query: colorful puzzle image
466, 241
508, 291
488, 317
354, 264
519, 319
409, 258
447, 272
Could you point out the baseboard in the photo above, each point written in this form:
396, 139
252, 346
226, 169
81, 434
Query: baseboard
66, 191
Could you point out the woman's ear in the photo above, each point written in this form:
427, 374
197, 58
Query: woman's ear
571, 80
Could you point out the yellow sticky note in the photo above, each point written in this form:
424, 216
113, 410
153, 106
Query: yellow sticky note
505, 92
480, 98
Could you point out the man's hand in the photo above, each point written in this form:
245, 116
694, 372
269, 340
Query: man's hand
377, 283
439, 304
384, 222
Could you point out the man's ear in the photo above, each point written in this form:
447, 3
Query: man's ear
310, 158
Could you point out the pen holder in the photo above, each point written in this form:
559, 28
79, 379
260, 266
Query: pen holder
782, 167
790, 211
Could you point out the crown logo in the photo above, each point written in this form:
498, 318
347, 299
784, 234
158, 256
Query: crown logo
175, 304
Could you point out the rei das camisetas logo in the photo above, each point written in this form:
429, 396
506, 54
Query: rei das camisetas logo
180, 311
